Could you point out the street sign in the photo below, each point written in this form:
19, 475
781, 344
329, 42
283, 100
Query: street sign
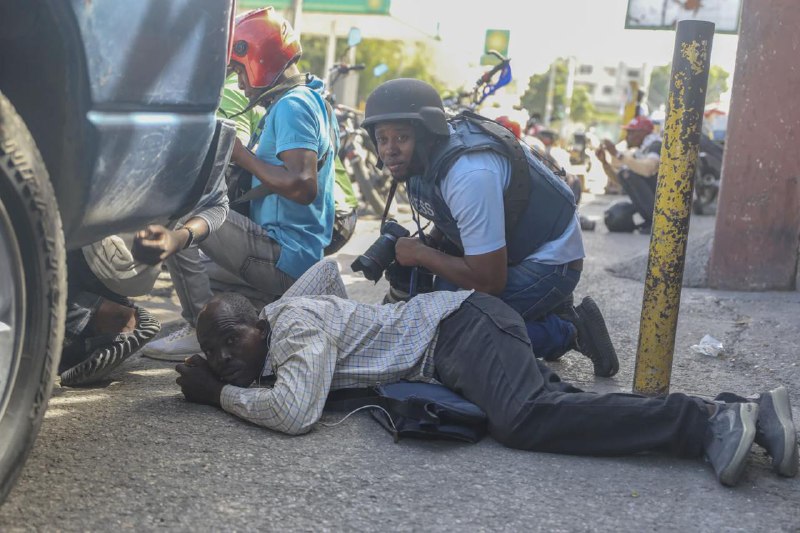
355, 7
495, 40
665, 14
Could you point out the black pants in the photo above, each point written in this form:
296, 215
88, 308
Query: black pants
642, 192
483, 353
84, 295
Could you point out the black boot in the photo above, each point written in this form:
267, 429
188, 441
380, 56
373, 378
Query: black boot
592, 338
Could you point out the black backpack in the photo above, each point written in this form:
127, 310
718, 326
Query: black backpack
619, 217
415, 409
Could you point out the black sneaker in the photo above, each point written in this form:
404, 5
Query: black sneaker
592, 339
731, 431
106, 355
775, 431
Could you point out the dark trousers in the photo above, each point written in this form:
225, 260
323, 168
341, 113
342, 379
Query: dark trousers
484, 354
642, 192
84, 295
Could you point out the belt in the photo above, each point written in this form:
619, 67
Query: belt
576, 265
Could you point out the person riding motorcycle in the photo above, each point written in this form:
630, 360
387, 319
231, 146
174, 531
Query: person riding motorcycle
464, 180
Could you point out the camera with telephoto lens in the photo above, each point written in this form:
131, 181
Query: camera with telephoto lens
381, 254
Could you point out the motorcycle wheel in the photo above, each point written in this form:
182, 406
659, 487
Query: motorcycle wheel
32, 295
706, 188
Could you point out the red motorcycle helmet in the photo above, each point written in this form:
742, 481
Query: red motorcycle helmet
511, 125
265, 44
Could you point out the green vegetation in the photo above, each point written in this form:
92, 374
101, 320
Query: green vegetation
659, 85
535, 97
405, 60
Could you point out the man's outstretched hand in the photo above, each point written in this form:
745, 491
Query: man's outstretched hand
155, 243
198, 384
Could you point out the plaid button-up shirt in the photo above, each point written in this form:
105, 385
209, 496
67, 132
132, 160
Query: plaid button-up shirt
321, 341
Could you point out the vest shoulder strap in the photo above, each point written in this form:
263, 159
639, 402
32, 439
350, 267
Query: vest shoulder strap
517, 195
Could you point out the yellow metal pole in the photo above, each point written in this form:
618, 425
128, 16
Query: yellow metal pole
662, 288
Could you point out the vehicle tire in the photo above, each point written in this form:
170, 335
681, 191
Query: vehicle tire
33, 300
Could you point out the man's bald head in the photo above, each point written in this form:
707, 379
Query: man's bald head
233, 338
235, 305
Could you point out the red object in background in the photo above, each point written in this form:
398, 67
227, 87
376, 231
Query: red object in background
511, 125
264, 43
641, 123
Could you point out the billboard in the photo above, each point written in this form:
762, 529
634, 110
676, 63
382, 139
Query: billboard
665, 14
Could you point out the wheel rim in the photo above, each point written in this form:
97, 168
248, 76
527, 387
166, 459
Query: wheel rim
12, 305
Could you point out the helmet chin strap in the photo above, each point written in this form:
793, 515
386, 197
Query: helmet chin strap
270, 94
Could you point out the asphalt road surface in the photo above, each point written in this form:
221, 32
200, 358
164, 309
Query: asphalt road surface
133, 455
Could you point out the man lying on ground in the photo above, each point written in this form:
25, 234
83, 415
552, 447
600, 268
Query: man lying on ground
314, 340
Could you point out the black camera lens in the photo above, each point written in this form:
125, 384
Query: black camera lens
378, 256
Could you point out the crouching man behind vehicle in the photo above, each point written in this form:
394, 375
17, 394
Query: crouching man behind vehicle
291, 214
510, 224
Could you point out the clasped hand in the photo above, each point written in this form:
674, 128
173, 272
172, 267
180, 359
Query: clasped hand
197, 382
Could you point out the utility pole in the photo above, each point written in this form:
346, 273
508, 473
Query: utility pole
296, 15
330, 53
758, 220
551, 85
568, 95
663, 281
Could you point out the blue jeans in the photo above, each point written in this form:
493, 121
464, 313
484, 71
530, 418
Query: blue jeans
535, 290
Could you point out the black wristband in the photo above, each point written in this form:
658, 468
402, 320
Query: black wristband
191, 237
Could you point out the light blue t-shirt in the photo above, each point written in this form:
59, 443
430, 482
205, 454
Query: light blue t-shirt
298, 120
473, 189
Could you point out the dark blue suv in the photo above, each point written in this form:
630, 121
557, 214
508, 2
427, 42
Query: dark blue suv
106, 124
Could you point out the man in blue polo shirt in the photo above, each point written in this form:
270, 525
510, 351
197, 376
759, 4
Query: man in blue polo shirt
292, 222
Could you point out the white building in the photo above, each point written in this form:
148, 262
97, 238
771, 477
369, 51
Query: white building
608, 85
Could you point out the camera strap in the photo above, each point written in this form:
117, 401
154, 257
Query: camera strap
389, 199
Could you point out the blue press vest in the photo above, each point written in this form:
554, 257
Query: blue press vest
550, 209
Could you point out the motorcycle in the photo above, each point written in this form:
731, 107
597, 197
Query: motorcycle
357, 151
360, 159
483, 88
708, 172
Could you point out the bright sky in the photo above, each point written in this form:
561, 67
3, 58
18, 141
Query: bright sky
591, 30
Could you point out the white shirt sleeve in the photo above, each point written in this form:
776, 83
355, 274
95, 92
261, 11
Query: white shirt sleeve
473, 190
304, 362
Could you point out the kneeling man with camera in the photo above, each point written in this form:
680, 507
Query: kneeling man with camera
505, 224
314, 341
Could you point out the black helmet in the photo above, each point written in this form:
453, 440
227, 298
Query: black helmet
619, 216
406, 99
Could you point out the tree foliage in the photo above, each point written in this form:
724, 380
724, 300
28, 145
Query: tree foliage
582, 108
658, 92
535, 97
403, 59
717, 83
